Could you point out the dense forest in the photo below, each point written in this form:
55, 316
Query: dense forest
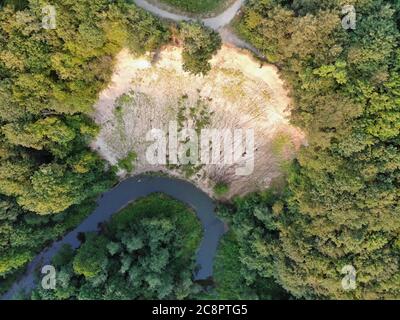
49, 81
341, 205
244, 266
145, 252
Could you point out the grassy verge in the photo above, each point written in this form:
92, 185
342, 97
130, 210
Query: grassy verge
194, 8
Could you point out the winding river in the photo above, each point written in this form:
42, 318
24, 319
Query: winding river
119, 197
140, 186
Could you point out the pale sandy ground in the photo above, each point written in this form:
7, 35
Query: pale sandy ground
239, 93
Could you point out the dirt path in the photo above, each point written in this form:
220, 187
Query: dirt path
219, 23
216, 23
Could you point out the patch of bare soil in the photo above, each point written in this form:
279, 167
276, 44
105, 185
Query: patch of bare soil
238, 93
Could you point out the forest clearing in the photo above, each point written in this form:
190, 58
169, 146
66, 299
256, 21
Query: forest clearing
237, 93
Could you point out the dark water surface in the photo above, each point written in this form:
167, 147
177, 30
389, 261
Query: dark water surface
119, 197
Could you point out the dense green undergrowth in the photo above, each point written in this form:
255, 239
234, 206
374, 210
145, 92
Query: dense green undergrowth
196, 6
146, 251
49, 81
230, 275
341, 206
341, 203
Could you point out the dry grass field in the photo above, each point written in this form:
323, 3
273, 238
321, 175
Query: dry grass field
238, 93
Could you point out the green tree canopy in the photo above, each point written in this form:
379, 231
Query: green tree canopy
199, 45
341, 206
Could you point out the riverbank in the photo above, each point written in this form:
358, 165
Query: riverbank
119, 197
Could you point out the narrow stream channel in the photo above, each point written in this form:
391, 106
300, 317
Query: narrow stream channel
140, 186
119, 197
